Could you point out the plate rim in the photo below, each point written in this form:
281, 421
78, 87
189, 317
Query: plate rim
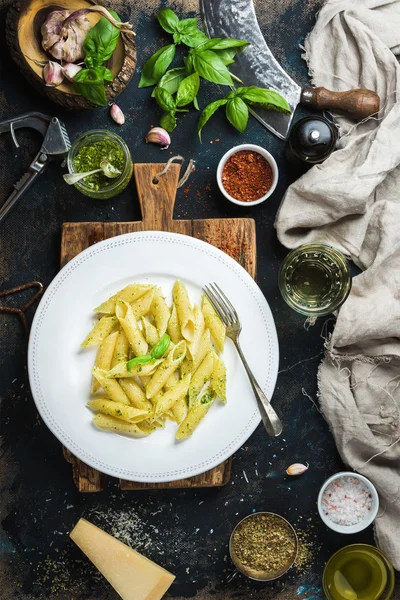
64, 438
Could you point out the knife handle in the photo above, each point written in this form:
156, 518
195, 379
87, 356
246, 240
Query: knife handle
356, 104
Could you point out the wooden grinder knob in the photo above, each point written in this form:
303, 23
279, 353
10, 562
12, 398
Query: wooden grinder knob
357, 104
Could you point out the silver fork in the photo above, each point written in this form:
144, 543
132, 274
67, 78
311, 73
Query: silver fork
228, 315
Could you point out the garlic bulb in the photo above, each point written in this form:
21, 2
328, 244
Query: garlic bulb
158, 135
53, 74
64, 31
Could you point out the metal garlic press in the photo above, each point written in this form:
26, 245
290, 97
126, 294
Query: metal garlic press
55, 145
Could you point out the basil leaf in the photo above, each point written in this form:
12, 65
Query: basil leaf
168, 20
105, 73
229, 43
162, 346
186, 25
155, 67
101, 41
227, 55
208, 112
237, 113
164, 99
210, 67
170, 80
89, 83
139, 360
269, 99
168, 121
208, 44
187, 90
192, 38
189, 66
196, 103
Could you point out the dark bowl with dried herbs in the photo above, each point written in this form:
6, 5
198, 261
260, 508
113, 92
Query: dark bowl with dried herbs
263, 546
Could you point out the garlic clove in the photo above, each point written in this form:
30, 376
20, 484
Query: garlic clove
70, 70
117, 115
297, 469
53, 74
158, 135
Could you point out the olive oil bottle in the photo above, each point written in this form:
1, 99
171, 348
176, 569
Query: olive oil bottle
358, 572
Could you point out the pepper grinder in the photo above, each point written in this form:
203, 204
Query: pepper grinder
310, 142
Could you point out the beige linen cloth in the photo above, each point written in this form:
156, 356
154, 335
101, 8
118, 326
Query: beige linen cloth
352, 201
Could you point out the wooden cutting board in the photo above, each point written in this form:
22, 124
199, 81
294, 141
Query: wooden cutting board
236, 237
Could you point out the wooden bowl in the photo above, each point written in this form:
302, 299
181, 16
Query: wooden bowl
24, 21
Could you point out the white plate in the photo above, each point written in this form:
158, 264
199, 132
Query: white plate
60, 371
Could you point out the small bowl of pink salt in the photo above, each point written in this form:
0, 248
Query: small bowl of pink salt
348, 502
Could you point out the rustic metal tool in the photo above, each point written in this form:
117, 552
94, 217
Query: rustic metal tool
22, 309
256, 65
55, 145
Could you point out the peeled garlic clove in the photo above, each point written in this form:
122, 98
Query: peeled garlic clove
117, 115
70, 70
53, 74
158, 135
297, 469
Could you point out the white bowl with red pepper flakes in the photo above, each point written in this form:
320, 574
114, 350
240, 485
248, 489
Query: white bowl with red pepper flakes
247, 175
348, 502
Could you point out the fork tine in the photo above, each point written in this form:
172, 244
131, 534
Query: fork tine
222, 302
216, 306
229, 303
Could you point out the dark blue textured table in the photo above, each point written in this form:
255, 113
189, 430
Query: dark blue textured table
184, 530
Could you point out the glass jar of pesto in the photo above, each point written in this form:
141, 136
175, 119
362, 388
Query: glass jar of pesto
85, 155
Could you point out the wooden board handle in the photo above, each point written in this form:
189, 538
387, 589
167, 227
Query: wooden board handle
156, 199
357, 104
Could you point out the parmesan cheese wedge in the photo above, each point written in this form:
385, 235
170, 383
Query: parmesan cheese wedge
133, 576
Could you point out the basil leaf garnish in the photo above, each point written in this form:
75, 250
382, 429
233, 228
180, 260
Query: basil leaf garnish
171, 79
101, 41
165, 99
162, 346
237, 113
138, 360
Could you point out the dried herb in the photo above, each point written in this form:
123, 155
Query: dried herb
264, 543
247, 176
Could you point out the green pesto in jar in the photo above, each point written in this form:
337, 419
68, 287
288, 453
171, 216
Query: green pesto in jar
89, 158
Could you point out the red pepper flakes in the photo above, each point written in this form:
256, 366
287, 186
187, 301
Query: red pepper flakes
247, 176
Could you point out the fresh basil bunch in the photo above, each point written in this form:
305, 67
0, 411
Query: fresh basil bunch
207, 59
99, 45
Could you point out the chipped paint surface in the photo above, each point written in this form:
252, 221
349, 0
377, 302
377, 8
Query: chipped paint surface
185, 531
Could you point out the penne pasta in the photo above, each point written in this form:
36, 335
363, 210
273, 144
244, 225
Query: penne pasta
118, 410
108, 423
184, 310
150, 332
121, 370
104, 357
121, 350
136, 395
194, 416
164, 401
129, 324
218, 378
179, 385
111, 387
130, 293
142, 306
100, 331
165, 370
173, 329
201, 376
214, 323
180, 409
160, 311
193, 346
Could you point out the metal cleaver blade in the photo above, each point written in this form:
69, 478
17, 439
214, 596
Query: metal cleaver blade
255, 65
